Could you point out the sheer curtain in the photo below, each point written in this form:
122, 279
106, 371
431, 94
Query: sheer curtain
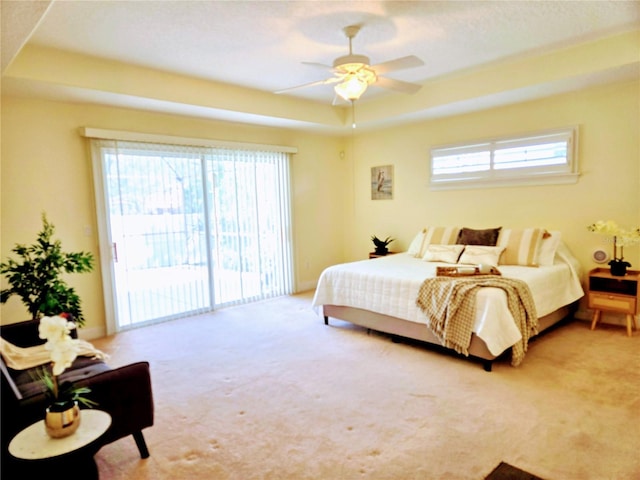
187, 228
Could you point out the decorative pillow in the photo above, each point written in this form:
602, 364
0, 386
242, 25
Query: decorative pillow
416, 244
442, 235
477, 254
469, 236
436, 236
548, 247
521, 246
443, 253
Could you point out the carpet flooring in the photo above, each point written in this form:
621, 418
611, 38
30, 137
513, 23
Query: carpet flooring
267, 391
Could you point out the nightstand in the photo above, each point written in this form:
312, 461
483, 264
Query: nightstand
378, 255
614, 294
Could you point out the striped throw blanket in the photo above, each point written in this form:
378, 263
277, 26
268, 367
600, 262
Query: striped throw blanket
449, 304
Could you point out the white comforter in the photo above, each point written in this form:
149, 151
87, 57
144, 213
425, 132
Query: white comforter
389, 285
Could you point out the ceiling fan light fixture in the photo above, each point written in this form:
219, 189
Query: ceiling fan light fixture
352, 88
355, 83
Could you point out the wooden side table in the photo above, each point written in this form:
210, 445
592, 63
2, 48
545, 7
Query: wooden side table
377, 255
70, 457
611, 293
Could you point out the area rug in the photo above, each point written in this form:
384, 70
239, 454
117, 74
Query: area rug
504, 471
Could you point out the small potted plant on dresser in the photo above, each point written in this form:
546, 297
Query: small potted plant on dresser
380, 246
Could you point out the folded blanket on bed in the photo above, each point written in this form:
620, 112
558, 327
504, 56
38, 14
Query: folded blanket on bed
449, 304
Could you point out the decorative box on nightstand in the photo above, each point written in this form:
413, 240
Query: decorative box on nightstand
614, 294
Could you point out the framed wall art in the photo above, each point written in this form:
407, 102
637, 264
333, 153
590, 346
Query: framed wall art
382, 183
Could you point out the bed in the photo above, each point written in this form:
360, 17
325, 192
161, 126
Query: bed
380, 294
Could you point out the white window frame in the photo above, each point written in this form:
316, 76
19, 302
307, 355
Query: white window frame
488, 175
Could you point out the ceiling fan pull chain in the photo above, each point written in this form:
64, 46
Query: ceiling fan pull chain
353, 114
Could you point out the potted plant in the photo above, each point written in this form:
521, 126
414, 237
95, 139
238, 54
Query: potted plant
62, 417
621, 237
36, 276
381, 245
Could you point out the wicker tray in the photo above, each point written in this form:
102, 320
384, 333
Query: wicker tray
463, 272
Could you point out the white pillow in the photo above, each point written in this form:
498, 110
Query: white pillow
443, 253
477, 254
416, 244
548, 247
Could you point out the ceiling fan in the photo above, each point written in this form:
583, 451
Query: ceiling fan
354, 73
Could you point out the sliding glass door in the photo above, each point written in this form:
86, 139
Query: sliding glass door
249, 221
188, 229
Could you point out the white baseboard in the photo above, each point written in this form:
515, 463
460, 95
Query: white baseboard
91, 333
306, 286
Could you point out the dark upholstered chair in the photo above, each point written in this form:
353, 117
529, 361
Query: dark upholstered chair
125, 393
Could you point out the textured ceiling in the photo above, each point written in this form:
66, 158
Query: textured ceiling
261, 44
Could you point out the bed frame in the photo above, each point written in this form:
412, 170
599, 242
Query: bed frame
416, 331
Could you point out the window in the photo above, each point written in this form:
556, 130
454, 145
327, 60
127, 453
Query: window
538, 159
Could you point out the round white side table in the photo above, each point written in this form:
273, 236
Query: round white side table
43, 452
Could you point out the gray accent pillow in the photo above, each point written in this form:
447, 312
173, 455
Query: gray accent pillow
488, 236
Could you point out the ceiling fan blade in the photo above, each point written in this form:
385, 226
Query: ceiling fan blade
410, 61
312, 84
320, 65
397, 85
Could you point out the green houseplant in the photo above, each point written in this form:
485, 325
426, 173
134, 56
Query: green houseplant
36, 276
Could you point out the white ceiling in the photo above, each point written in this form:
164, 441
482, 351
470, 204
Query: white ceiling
261, 45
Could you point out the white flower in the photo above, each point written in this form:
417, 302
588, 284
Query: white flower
629, 237
63, 355
621, 236
609, 227
56, 330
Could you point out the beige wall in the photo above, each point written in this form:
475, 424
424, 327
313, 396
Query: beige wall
608, 188
46, 167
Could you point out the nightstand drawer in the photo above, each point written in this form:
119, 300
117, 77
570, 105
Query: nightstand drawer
612, 302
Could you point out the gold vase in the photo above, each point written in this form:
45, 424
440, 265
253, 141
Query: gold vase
62, 419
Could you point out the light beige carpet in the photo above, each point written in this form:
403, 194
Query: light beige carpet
267, 391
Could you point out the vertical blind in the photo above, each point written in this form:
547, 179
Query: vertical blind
192, 228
